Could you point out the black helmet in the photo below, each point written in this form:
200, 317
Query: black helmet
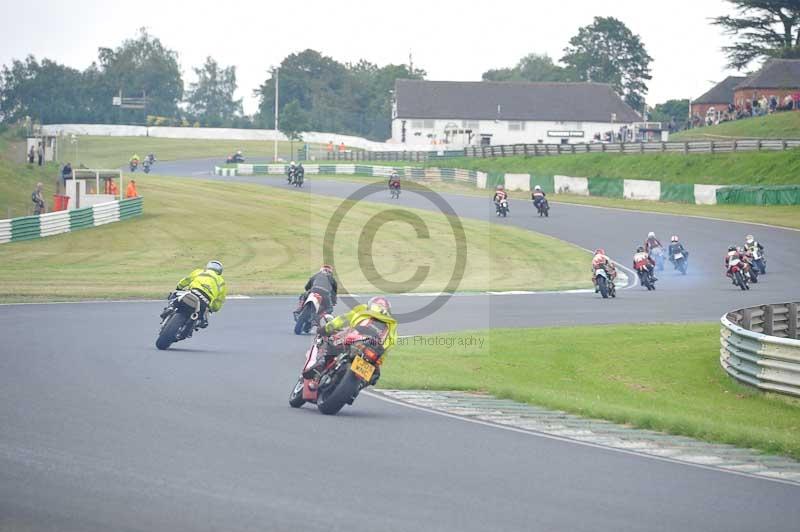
640, 249
732, 248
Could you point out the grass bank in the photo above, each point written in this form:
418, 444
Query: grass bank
114, 152
785, 125
747, 168
662, 377
270, 241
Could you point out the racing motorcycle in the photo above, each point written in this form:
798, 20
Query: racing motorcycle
759, 260
235, 158
502, 208
680, 261
604, 283
394, 189
543, 208
299, 177
309, 313
657, 254
646, 278
181, 317
134, 164
736, 270
353, 368
146, 166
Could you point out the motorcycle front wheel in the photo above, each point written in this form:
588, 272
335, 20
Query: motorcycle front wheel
296, 397
304, 317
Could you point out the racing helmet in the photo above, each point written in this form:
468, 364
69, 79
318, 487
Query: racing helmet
380, 305
214, 266
732, 248
537, 187
500, 187
640, 249
651, 234
740, 249
674, 238
292, 163
749, 239
326, 268
599, 251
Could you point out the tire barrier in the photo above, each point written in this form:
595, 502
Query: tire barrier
759, 346
56, 223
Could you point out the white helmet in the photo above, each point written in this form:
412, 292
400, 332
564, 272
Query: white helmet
651, 235
293, 163
749, 239
537, 187
214, 265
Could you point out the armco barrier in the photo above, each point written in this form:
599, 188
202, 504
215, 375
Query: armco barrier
54, 223
759, 346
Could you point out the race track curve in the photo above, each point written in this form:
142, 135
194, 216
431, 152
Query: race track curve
99, 431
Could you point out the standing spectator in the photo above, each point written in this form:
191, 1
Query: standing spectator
130, 191
40, 153
66, 173
31, 154
38, 200
341, 147
330, 147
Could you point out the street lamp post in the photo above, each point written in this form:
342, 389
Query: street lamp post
275, 138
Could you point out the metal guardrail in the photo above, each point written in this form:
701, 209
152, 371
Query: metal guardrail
760, 346
538, 150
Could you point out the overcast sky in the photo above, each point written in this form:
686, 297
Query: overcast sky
450, 40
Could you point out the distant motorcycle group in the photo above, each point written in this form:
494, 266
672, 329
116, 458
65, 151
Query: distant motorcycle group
538, 197
346, 353
149, 161
744, 264
295, 174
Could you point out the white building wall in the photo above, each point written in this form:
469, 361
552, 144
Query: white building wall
500, 131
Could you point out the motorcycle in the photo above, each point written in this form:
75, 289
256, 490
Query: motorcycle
759, 260
750, 271
680, 261
235, 158
343, 376
289, 176
394, 189
309, 313
736, 270
543, 208
502, 208
180, 317
146, 166
604, 283
134, 165
298, 179
657, 254
646, 278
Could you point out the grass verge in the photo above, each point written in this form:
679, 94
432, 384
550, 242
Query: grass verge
270, 241
663, 377
747, 168
776, 126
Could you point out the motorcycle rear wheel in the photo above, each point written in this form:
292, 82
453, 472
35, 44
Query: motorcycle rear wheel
169, 333
601, 284
304, 317
331, 400
296, 397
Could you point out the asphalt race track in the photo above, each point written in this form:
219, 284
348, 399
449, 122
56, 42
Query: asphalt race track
100, 431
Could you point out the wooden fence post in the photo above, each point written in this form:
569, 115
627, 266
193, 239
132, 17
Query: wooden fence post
791, 318
685, 148
525, 149
769, 319
759, 144
712, 146
747, 319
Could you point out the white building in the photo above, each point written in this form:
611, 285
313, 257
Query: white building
456, 114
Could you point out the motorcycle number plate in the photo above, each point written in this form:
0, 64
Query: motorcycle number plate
362, 368
678, 256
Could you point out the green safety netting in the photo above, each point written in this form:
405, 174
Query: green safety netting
680, 192
546, 182
748, 195
603, 186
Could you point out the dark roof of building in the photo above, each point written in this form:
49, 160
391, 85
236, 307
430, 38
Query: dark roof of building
722, 92
511, 100
775, 74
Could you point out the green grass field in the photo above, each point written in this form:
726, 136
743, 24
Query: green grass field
270, 241
663, 377
748, 168
114, 152
776, 126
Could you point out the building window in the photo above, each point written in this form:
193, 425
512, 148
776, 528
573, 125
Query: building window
416, 124
429, 124
471, 124
516, 126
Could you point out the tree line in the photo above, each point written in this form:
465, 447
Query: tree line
319, 93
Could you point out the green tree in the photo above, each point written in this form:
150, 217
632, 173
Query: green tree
292, 122
142, 66
606, 51
532, 67
47, 92
671, 112
763, 28
210, 98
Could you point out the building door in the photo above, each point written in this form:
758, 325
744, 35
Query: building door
486, 140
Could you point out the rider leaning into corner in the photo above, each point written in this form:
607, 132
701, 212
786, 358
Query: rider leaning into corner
209, 285
600, 260
641, 260
394, 179
324, 283
373, 320
500, 194
651, 242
